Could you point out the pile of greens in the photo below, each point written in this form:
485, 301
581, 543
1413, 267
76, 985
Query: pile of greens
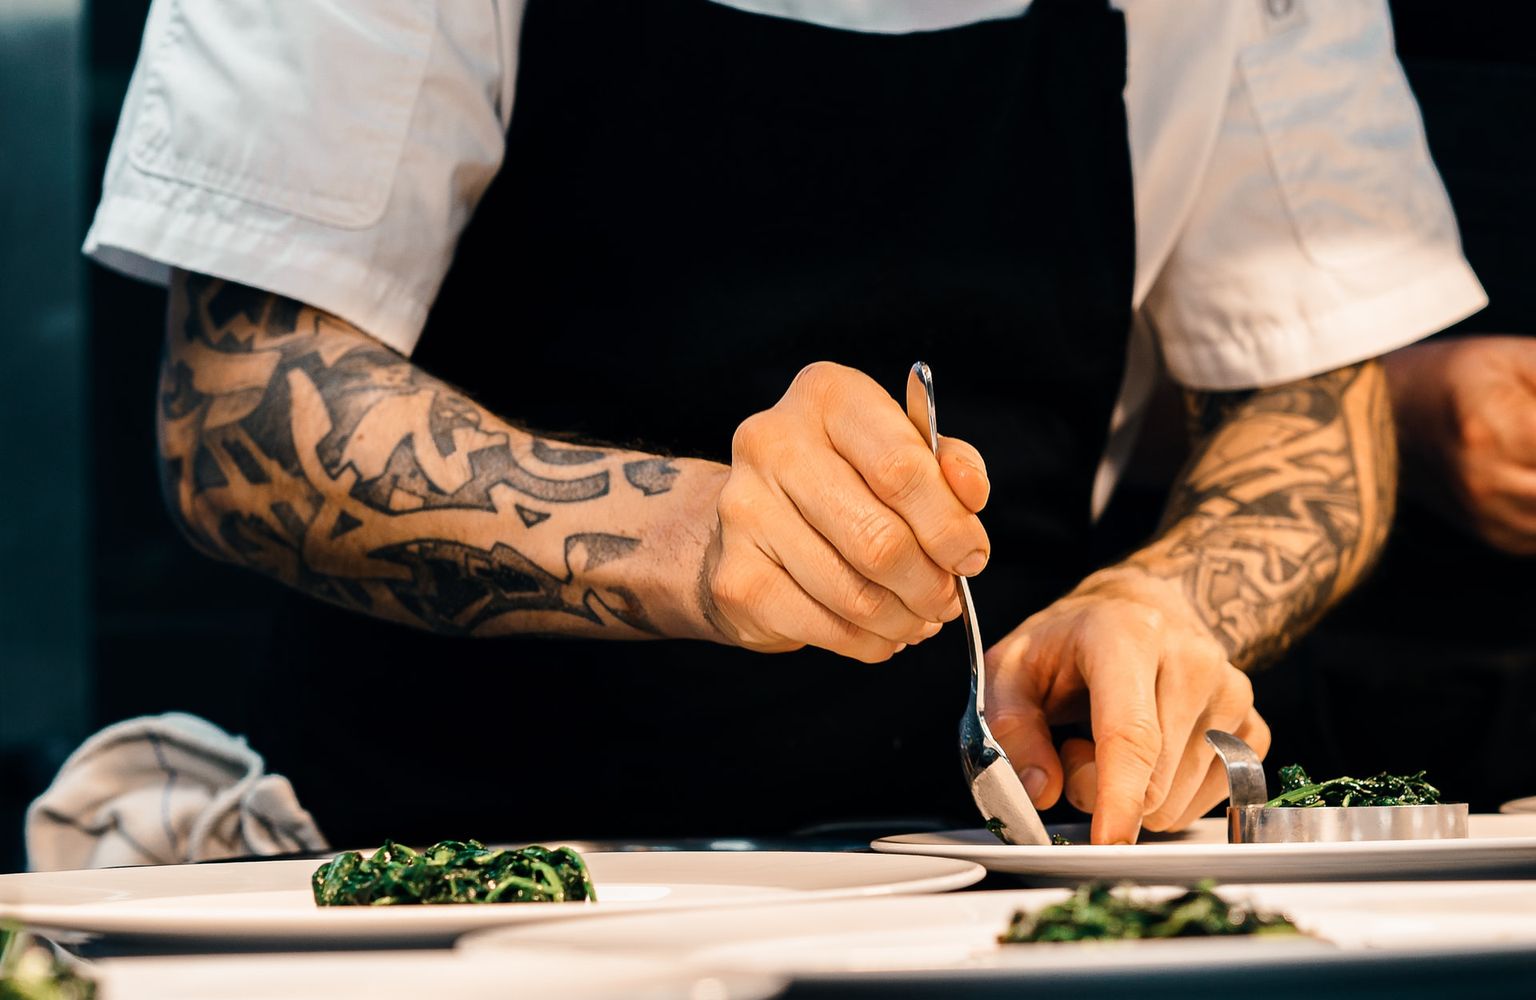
453, 871
29, 971
1297, 789
1096, 913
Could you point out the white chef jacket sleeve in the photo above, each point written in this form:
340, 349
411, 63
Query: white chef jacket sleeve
1321, 234
326, 150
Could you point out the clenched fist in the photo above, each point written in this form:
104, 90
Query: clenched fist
838, 527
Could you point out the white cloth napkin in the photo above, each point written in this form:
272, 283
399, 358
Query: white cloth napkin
164, 789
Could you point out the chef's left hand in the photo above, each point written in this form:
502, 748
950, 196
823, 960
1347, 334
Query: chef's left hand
1123, 653
1466, 414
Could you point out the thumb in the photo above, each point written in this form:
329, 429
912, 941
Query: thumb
1018, 722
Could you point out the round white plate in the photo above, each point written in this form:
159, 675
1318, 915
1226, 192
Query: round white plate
413, 975
1499, 847
271, 900
1525, 805
1386, 926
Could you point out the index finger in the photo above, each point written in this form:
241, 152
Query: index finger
872, 433
1122, 696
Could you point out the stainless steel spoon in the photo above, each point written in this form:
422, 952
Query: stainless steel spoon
994, 784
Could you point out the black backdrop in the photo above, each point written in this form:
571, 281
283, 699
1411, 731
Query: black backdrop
1433, 666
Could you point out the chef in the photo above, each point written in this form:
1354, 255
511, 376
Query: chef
581, 317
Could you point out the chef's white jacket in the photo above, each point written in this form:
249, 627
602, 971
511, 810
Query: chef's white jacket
1289, 219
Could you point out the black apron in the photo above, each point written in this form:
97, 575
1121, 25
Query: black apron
696, 203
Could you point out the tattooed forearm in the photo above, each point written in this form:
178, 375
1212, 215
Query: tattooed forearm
1282, 509
295, 445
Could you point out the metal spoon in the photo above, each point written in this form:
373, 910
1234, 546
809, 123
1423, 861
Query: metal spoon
994, 784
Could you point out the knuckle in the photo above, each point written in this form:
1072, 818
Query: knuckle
1259, 736
1237, 688
816, 379
735, 503
1139, 738
866, 601
1475, 432
1149, 618
739, 589
939, 596
899, 474
880, 544
750, 435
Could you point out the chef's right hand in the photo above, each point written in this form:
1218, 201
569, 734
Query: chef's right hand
838, 527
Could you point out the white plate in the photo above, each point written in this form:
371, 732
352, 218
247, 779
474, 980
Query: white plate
1525, 805
413, 975
1390, 927
1499, 847
271, 900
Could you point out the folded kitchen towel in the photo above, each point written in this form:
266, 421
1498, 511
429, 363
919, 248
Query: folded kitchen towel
164, 789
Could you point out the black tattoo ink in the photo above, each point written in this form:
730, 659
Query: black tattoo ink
651, 476
206, 474
180, 398
1269, 523
601, 548
531, 517
275, 509
249, 468
550, 455
344, 523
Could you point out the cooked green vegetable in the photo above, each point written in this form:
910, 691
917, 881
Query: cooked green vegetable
1096, 913
29, 971
996, 827
452, 871
1297, 789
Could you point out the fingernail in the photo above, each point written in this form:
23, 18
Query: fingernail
972, 564
932, 629
899, 647
1034, 782
962, 460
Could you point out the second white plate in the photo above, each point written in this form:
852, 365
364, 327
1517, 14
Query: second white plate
271, 900
1500, 846
1396, 929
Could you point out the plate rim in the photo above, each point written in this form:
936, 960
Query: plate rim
225, 919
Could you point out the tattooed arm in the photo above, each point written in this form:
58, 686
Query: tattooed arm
1283, 507
1281, 510
294, 444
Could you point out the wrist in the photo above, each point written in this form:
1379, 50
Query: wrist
1144, 578
685, 548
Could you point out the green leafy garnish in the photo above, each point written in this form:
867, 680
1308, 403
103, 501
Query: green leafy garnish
996, 827
1298, 790
1096, 913
453, 871
29, 971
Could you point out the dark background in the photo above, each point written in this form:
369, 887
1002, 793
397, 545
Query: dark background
1433, 665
